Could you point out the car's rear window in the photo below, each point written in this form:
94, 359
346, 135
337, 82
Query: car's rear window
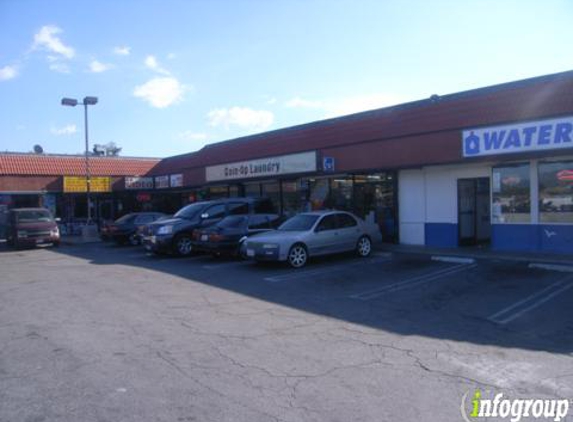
30, 216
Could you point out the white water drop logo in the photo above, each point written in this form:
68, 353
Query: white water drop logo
471, 144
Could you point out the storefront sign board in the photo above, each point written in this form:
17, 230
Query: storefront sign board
273, 166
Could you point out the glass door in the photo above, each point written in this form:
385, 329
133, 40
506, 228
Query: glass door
473, 211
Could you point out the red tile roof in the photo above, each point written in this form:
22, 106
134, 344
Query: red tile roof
71, 165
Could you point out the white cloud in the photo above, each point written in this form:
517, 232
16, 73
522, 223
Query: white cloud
189, 135
122, 51
59, 67
160, 92
152, 63
99, 67
66, 130
47, 38
8, 72
241, 116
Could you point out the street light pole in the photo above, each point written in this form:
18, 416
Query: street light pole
88, 175
72, 103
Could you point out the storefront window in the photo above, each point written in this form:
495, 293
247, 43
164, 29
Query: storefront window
252, 190
273, 192
375, 201
234, 191
556, 192
218, 192
319, 189
295, 197
511, 194
341, 194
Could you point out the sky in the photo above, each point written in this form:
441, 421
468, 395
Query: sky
174, 75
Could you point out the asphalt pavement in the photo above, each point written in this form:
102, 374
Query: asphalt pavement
96, 332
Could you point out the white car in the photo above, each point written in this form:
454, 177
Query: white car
313, 234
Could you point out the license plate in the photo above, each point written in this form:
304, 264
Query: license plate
250, 252
204, 237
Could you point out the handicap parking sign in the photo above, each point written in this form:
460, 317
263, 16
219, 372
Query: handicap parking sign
328, 164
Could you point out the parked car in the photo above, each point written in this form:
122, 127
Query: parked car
144, 230
124, 229
31, 227
227, 235
312, 234
175, 235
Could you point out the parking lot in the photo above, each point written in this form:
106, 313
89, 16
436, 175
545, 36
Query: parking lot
98, 332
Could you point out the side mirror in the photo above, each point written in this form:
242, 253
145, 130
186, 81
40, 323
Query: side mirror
205, 216
58, 220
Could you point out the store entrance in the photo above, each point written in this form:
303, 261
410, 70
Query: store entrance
375, 200
474, 225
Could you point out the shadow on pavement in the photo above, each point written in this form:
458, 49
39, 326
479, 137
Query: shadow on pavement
456, 311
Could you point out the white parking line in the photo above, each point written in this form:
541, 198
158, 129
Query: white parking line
532, 302
297, 274
411, 282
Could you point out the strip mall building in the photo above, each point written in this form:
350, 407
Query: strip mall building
491, 165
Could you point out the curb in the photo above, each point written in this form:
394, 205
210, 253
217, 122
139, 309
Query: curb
453, 259
552, 267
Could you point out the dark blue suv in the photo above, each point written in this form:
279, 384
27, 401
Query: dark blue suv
175, 235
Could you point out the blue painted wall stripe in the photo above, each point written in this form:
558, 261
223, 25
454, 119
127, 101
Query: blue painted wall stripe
441, 235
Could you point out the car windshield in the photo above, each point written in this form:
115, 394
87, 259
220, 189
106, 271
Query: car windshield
301, 222
233, 222
30, 216
190, 211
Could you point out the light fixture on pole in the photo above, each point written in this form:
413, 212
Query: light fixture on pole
71, 102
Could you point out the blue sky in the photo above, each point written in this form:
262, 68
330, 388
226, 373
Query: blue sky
172, 76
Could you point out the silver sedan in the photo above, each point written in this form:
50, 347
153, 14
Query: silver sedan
312, 234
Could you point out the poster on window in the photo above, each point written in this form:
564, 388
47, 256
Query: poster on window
138, 183
161, 182
176, 180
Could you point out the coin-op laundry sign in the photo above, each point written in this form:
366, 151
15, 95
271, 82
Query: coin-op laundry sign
523, 137
273, 166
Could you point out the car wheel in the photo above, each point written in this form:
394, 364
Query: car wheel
364, 247
134, 240
297, 256
183, 245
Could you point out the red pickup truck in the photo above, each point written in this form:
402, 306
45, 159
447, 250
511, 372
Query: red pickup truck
31, 227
